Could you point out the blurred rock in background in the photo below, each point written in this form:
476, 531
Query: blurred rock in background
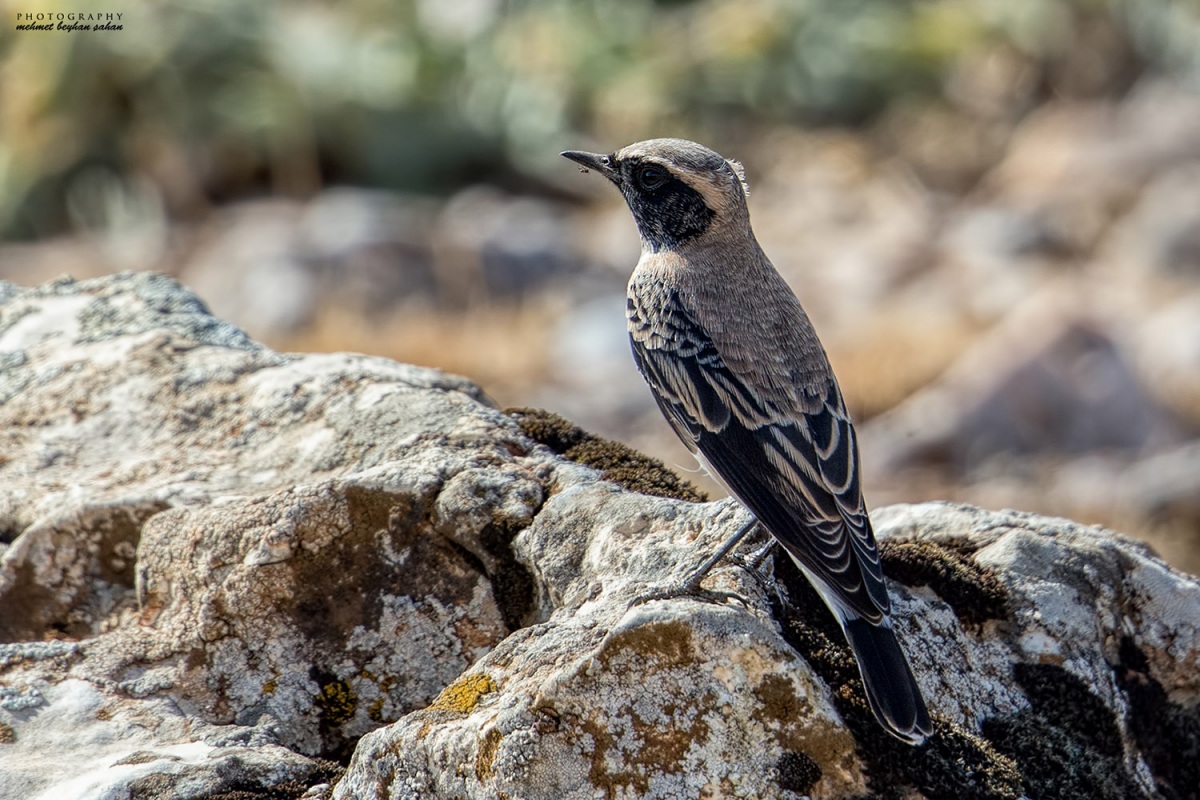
991, 211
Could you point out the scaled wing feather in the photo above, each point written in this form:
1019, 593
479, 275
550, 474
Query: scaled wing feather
796, 469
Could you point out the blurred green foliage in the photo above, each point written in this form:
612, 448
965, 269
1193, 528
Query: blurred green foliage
197, 102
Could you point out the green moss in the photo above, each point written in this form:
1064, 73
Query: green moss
1167, 733
1067, 743
797, 772
618, 463
952, 765
974, 592
512, 582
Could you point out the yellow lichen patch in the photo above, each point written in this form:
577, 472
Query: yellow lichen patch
790, 719
665, 642
375, 710
337, 702
628, 752
270, 686
485, 759
463, 695
7, 734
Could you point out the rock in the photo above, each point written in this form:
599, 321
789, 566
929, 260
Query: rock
1024, 639
1078, 166
273, 265
1161, 234
231, 535
1049, 380
146, 749
229, 568
653, 701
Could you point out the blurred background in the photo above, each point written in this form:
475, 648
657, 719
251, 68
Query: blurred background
991, 210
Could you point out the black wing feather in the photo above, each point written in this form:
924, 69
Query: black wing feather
796, 469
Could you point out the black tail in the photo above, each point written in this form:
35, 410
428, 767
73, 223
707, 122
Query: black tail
891, 688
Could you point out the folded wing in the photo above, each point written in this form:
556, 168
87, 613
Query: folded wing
796, 468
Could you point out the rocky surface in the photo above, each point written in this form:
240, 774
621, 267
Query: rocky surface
1059, 661
195, 523
228, 572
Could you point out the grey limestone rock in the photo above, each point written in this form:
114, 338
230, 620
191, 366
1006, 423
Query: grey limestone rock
228, 570
1055, 658
231, 541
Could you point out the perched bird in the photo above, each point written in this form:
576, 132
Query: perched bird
738, 371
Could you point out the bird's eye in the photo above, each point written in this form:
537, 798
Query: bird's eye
652, 177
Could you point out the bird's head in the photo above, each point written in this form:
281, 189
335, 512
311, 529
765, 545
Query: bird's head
679, 191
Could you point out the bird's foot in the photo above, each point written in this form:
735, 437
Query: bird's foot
752, 565
687, 589
753, 562
690, 586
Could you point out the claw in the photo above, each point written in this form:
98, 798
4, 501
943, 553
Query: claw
702, 595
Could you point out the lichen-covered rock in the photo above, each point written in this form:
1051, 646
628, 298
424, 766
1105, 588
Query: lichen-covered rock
79, 740
289, 546
1048, 652
223, 570
662, 699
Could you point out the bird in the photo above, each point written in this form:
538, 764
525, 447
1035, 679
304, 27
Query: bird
736, 367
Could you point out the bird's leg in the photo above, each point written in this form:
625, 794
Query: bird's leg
692, 581
691, 584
